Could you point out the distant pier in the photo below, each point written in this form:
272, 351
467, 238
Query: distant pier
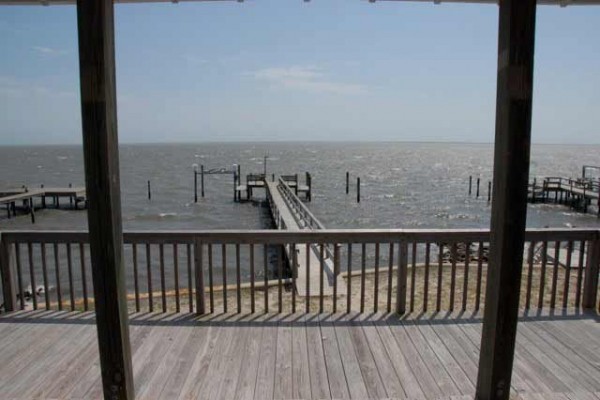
10, 198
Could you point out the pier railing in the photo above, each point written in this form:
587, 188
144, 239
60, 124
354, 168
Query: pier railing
248, 271
303, 215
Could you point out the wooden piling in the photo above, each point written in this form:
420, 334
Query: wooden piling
195, 183
470, 184
489, 191
358, 189
202, 180
477, 194
149, 192
347, 182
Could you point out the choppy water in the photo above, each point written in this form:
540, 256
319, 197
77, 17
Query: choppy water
403, 185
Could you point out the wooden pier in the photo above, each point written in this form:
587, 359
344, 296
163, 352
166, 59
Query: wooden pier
258, 181
578, 193
11, 197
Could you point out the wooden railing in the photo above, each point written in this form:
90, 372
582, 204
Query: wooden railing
302, 214
248, 271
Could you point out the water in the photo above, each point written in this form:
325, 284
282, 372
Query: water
403, 185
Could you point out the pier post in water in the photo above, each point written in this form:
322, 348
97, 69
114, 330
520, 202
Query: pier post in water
358, 189
149, 192
347, 182
470, 184
489, 191
195, 183
202, 180
477, 193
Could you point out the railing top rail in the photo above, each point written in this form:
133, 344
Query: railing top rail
302, 236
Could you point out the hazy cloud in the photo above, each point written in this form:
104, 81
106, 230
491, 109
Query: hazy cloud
305, 78
48, 51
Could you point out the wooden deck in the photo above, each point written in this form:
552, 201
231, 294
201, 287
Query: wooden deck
54, 355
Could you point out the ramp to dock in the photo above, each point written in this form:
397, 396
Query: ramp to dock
284, 206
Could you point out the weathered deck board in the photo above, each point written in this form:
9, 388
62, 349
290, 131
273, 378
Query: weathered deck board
55, 355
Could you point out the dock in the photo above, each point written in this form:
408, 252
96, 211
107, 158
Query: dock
577, 193
289, 213
11, 197
258, 181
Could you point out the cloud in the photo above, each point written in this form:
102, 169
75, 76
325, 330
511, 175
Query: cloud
48, 51
305, 78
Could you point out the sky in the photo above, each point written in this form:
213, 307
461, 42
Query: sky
285, 70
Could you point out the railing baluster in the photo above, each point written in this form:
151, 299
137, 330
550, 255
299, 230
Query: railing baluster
57, 274
543, 275
413, 276
86, 305
45, 275
163, 289
567, 282
224, 275
198, 277
70, 273
176, 276
390, 275
363, 266
529, 276
308, 277
479, 276
336, 270
349, 280
438, 304
135, 277
466, 276
252, 278
321, 273
453, 276
211, 290
555, 274
279, 278
266, 277
582, 245
376, 283
190, 281
238, 278
426, 277
294, 269
32, 275
19, 275
401, 284
149, 273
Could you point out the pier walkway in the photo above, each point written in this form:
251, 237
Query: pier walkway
9, 198
51, 354
290, 213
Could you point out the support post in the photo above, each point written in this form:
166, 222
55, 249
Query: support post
347, 182
195, 183
516, 42
199, 277
477, 193
202, 181
149, 192
470, 184
489, 191
9, 275
590, 285
31, 210
358, 189
402, 274
95, 23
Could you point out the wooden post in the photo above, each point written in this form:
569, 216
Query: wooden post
509, 207
195, 183
477, 193
347, 182
234, 185
590, 285
202, 181
32, 210
358, 189
9, 275
489, 191
470, 184
296, 188
199, 277
149, 192
402, 274
95, 22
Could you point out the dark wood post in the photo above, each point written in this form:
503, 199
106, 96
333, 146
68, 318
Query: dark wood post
95, 22
32, 210
477, 193
358, 189
590, 285
149, 192
516, 42
347, 182
470, 184
202, 181
489, 191
195, 183
9, 275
